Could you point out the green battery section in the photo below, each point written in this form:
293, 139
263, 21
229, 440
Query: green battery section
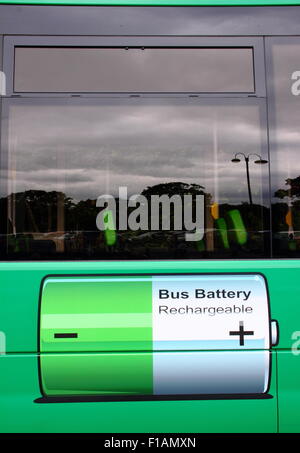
117, 318
96, 374
87, 350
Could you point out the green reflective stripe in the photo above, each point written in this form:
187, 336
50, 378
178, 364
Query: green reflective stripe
110, 229
200, 246
235, 223
97, 320
222, 230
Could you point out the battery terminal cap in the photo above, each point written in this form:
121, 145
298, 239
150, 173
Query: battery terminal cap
274, 333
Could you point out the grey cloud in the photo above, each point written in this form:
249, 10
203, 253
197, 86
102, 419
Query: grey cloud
87, 150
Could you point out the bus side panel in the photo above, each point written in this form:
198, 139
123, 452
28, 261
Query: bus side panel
20, 390
20, 285
288, 387
21, 413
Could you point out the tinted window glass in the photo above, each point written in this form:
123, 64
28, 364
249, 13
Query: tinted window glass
46, 69
284, 89
63, 156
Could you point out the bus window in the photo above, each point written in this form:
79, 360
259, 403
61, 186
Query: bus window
284, 100
168, 176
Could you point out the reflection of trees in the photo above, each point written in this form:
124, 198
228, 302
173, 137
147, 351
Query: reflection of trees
173, 188
33, 213
38, 212
293, 191
170, 189
82, 216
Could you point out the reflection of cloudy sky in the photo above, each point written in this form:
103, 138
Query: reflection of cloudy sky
87, 150
207, 21
285, 113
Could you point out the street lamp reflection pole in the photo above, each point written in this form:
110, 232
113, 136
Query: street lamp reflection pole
260, 161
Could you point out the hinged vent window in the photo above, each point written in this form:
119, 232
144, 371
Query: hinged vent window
146, 70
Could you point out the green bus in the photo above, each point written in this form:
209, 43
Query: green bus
149, 216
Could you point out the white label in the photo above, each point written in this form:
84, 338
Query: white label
210, 312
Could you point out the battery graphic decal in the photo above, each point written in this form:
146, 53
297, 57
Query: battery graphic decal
159, 335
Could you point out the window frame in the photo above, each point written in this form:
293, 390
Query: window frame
10, 42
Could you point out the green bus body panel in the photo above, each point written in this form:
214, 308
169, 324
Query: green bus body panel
155, 2
288, 391
20, 386
20, 285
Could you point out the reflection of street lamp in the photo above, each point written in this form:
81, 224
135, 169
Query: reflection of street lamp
260, 160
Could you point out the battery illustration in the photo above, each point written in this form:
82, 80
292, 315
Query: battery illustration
155, 335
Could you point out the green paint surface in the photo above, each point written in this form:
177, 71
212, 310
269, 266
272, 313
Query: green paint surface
20, 284
288, 390
20, 290
20, 412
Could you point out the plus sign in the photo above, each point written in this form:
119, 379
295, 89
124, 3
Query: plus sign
241, 332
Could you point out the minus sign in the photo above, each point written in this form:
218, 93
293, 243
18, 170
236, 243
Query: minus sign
65, 335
